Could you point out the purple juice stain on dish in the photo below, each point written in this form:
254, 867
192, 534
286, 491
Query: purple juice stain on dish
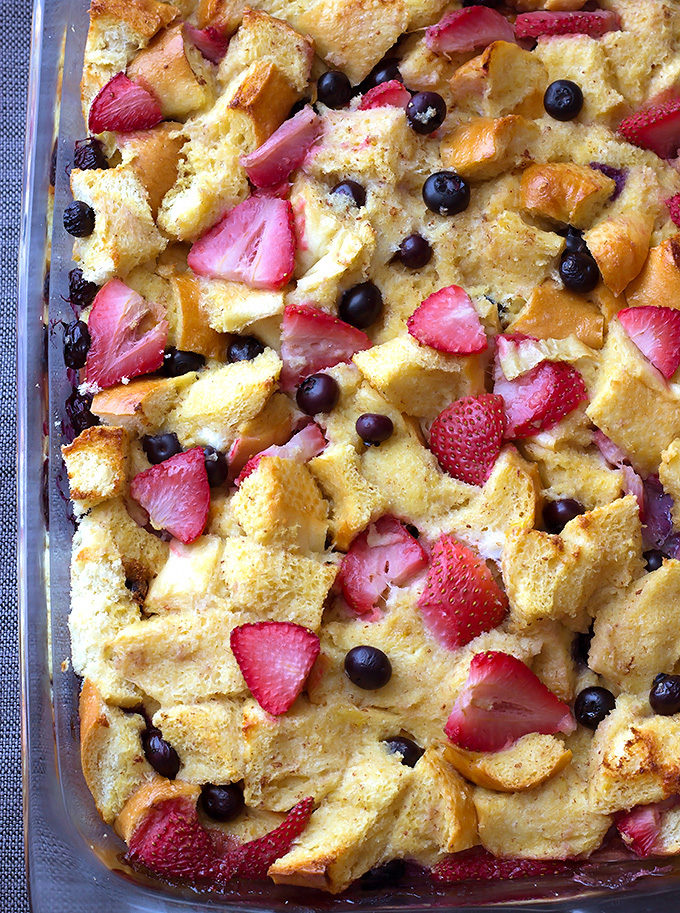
618, 175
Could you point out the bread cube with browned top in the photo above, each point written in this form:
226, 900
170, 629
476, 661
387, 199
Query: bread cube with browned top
486, 146
153, 155
620, 245
143, 405
232, 307
659, 280
504, 79
191, 328
553, 312
565, 193
97, 465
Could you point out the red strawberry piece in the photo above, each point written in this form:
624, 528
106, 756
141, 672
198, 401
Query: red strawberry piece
302, 447
461, 599
466, 437
656, 128
285, 150
312, 340
391, 93
255, 857
477, 864
595, 24
383, 555
210, 41
640, 829
673, 205
275, 658
539, 399
656, 332
121, 105
501, 701
447, 320
254, 243
128, 335
462, 31
176, 494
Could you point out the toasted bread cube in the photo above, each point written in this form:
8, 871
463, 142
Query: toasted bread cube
211, 409
207, 738
186, 578
189, 319
125, 234
486, 147
669, 473
555, 664
153, 156
97, 465
265, 583
230, 307
265, 96
633, 404
151, 794
620, 245
273, 425
659, 280
553, 312
505, 79
564, 192
561, 577
570, 472
533, 760
280, 504
142, 406
111, 752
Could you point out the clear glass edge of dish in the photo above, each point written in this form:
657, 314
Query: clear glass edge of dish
71, 856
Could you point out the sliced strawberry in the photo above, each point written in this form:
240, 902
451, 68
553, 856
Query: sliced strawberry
447, 321
501, 701
285, 150
673, 205
302, 447
656, 128
128, 335
595, 24
383, 555
539, 399
176, 494
640, 829
461, 599
312, 340
122, 106
656, 332
477, 864
386, 94
609, 450
462, 31
256, 856
254, 243
466, 437
275, 658
210, 41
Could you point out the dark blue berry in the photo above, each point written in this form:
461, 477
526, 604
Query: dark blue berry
222, 803
361, 305
244, 348
317, 393
407, 748
160, 754
353, 190
563, 99
216, 466
177, 362
426, 112
653, 558
78, 412
88, 154
414, 252
446, 193
333, 89
368, 668
81, 293
76, 344
556, 514
592, 705
384, 71
579, 271
160, 447
374, 428
79, 219
664, 697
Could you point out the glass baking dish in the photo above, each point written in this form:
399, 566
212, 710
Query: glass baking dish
73, 859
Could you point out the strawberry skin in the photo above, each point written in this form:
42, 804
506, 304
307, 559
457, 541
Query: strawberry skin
640, 829
210, 41
656, 332
477, 864
285, 150
391, 93
467, 30
466, 437
538, 400
461, 599
595, 24
275, 658
254, 243
176, 494
255, 857
307, 443
384, 554
501, 701
447, 321
312, 339
122, 106
656, 128
673, 205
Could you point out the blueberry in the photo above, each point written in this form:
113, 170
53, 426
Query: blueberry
353, 190
664, 697
654, 559
374, 428
361, 305
573, 240
89, 153
412, 530
563, 99
333, 89
383, 876
317, 393
592, 705
177, 362
368, 668
222, 803
425, 112
160, 447
556, 514
446, 193
407, 748
138, 587
216, 466
77, 408
581, 648
160, 754
81, 293
579, 271
76, 344
244, 348
79, 219
384, 71
414, 252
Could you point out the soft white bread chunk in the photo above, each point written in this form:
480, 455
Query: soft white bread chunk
97, 465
